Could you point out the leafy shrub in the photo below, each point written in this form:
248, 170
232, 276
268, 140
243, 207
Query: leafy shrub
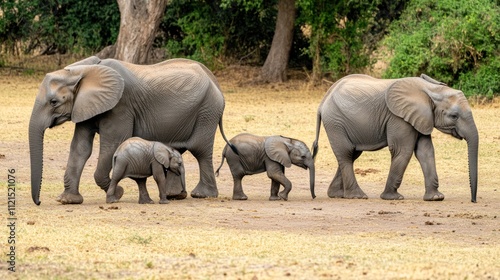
451, 40
58, 26
484, 80
213, 31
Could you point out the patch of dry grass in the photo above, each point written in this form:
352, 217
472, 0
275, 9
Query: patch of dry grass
255, 239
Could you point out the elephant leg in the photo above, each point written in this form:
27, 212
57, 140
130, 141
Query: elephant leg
159, 176
101, 174
351, 188
111, 136
202, 150
143, 191
275, 173
80, 151
345, 152
207, 187
275, 187
424, 153
336, 188
396, 172
118, 174
401, 141
238, 193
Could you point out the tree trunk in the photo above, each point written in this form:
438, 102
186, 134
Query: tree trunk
274, 69
316, 43
139, 21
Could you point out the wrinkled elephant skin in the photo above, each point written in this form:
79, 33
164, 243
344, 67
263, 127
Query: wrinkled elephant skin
361, 113
177, 102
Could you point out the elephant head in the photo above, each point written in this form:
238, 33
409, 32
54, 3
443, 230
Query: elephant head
426, 103
171, 160
289, 151
78, 93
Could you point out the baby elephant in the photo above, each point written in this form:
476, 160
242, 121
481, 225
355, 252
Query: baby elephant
138, 159
256, 154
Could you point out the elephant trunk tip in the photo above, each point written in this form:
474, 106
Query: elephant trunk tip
473, 197
35, 195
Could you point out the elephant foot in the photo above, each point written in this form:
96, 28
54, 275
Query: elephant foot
111, 199
356, 193
335, 193
240, 197
391, 196
119, 192
203, 191
145, 200
164, 201
433, 196
283, 195
70, 198
274, 198
180, 196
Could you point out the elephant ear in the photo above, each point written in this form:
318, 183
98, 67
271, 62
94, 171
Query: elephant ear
277, 149
431, 80
99, 90
87, 61
162, 154
407, 99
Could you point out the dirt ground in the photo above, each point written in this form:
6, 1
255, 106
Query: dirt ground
219, 238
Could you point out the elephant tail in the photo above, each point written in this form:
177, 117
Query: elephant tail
113, 162
222, 161
225, 139
315, 143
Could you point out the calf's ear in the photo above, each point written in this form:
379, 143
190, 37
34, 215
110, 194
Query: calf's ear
162, 154
277, 150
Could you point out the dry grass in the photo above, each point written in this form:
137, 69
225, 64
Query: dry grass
255, 239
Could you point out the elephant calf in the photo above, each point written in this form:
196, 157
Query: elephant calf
256, 154
138, 159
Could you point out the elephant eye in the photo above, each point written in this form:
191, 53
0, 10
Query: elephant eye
53, 102
454, 116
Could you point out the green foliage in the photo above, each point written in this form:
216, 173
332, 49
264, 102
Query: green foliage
485, 80
341, 32
212, 31
455, 41
58, 26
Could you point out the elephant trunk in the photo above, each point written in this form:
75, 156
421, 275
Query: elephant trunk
312, 174
36, 134
183, 178
472, 146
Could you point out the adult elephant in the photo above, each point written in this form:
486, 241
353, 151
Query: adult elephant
361, 113
177, 102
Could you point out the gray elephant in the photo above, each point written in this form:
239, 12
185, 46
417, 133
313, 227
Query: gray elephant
251, 154
361, 113
177, 102
138, 159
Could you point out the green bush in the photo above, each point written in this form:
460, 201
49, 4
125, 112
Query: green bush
484, 81
58, 26
216, 31
454, 41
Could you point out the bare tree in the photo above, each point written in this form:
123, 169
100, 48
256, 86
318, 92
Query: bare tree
274, 69
139, 21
